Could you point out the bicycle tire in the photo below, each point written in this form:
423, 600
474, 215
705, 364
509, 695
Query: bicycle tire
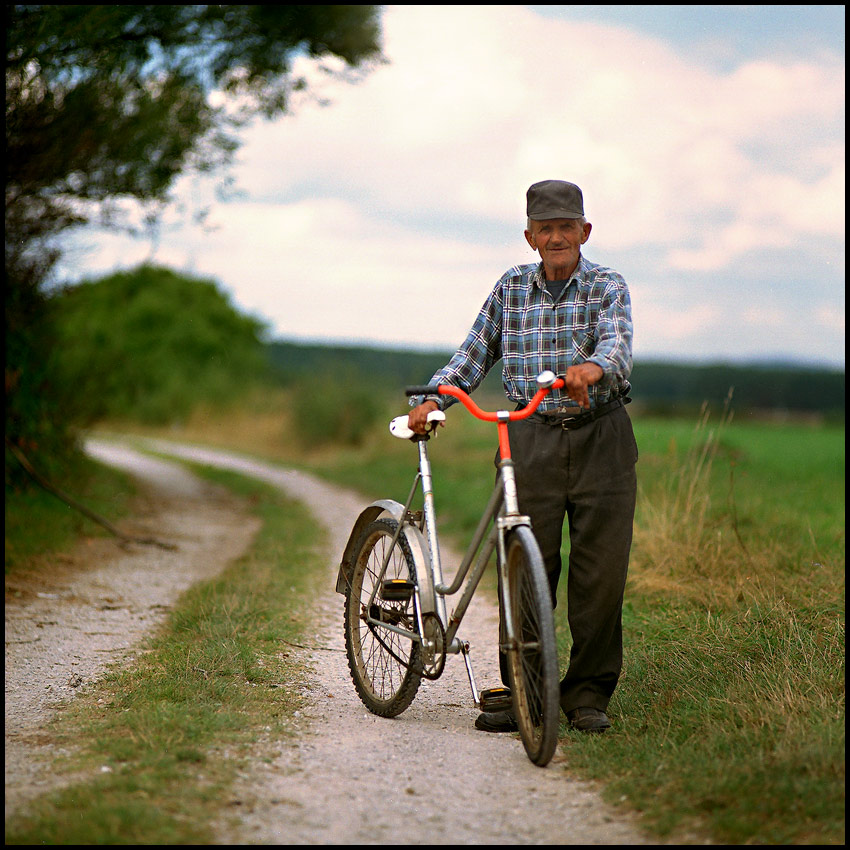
533, 660
385, 666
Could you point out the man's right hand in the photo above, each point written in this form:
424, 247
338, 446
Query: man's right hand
579, 378
417, 419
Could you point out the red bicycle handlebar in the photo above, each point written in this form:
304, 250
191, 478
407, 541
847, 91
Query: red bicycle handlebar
494, 416
500, 417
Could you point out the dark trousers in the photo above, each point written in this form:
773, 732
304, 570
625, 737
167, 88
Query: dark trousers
586, 475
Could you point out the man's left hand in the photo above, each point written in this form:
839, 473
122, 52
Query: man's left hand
579, 378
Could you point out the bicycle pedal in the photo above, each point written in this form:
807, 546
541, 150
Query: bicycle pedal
396, 590
495, 699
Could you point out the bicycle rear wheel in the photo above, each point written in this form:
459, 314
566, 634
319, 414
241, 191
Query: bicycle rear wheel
533, 660
385, 666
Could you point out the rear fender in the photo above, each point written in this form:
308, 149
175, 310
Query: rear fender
415, 540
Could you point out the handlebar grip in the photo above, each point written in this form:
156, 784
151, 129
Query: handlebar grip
424, 390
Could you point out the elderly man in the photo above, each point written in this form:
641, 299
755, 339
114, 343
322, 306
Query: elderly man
576, 456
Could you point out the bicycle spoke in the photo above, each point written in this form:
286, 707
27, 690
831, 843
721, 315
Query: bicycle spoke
383, 662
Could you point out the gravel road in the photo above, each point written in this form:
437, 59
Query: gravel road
93, 606
426, 777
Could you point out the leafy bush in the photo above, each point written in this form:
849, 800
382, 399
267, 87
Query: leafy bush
341, 411
150, 345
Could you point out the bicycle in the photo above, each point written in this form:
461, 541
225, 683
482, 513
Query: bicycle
397, 631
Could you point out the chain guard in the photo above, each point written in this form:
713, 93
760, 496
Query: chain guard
435, 632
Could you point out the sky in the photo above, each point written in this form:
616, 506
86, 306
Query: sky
708, 141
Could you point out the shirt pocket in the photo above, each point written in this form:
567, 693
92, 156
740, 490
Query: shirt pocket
584, 342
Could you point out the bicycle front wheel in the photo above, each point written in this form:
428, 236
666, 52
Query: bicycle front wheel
533, 658
386, 667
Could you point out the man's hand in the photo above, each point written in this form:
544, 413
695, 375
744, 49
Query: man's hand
579, 378
417, 420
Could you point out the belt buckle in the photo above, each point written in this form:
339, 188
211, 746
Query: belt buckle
575, 413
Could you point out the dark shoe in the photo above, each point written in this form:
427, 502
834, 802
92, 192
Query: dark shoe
496, 721
587, 719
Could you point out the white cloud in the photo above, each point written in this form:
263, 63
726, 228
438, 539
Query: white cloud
677, 324
320, 268
480, 101
396, 202
831, 317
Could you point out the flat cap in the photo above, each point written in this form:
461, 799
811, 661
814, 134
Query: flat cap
554, 199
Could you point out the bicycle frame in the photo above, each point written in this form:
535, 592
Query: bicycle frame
500, 516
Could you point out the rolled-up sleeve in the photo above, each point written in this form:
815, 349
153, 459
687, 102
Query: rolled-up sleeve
481, 349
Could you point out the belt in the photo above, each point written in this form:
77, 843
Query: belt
570, 418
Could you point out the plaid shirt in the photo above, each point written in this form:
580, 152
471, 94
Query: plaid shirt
520, 324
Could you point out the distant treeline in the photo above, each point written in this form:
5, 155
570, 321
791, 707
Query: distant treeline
754, 387
657, 386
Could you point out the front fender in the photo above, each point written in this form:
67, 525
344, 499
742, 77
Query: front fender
368, 515
416, 543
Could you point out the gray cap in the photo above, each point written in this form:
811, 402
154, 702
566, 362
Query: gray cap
554, 199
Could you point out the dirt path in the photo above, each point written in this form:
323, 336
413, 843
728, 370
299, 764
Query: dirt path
426, 777
94, 605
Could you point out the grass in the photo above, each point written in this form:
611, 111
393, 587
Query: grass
730, 722
38, 524
730, 712
729, 718
162, 741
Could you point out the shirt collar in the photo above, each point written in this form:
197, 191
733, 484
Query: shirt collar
538, 276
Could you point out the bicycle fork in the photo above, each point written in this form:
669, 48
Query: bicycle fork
425, 584
508, 520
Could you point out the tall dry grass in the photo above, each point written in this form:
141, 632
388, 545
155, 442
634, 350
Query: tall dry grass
731, 705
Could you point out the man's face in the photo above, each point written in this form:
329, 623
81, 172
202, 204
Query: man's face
558, 241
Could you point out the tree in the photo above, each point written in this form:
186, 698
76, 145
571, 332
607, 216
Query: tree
108, 103
111, 101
